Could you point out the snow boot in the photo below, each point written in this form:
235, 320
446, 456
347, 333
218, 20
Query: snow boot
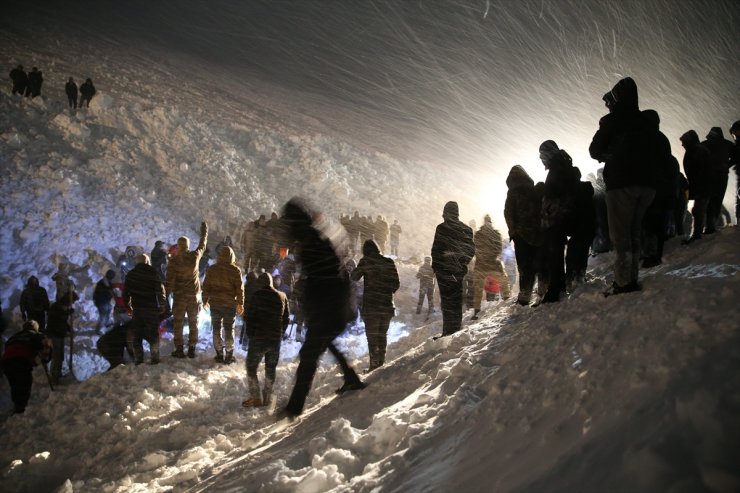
229, 358
476, 311
178, 352
219, 357
357, 385
191, 352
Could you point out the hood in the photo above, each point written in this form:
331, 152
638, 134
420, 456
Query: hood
32, 282
265, 280
370, 248
624, 95
226, 255
690, 138
451, 211
715, 134
518, 177
652, 118
297, 218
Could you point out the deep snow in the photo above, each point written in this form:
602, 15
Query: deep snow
639, 392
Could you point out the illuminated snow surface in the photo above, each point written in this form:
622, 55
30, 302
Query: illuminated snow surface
222, 112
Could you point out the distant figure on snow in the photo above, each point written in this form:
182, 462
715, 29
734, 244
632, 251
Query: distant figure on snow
34, 303
71, 89
488, 249
20, 80
427, 282
35, 79
395, 237
87, 91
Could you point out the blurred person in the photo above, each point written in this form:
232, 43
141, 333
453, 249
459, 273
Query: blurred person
488, 248
381, 282
159, 259
250, 286
20, 80
87, 91
102, 297
395, 237
70, 88
65, 287
34, 303
697, 166
183, 283
427, 283
22, 352
35, 80
380, 232
581, 232
720, 150
452, 251
735, 161
57, 328
145, 298
115, 343
224, 293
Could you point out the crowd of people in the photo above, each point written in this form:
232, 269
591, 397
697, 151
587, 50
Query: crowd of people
295, 274
29, 84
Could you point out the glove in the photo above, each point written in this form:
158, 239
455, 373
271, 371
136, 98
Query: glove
203, 228
240, 309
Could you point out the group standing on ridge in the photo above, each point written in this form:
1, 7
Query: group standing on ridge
29, 84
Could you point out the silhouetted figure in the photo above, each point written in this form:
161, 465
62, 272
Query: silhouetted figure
326, 302
102, 297
71, 89
35, 79
145, 297
452, 251
159, 257
735, 161
427, 282
488, 249
381, 281
87, 91
601, 243
719, 159
581, 232
20, 80
395, 237
697, 166
624, 143
21, 353
34, 303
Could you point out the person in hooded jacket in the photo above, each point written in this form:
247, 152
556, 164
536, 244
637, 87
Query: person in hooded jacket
22, 352
326, 303
34, 303
102, 297
719, 157
267, 318
427, 283
183, 283
697, 166
523, 212
395, 231
20, 80
582, 232
625, 143
488, 248
159, 257
70, 88
87, 91
145, 298
57, 328
452, 251
381, 281
223, 291
35, 79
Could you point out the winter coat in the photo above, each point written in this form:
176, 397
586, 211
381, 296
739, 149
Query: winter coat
453, 246
143, 290
267, 316
558, 202
425, 277
395, 232
719, 152
103, 292
182, 271
523, 207
380, 229
65, 287
26, 345
71, 89
33, 299
19, 78
251, 285
57, 322
158, 256
380, 280
625, 141
87, 89
697, 166
223, 284
584, 218
488, 248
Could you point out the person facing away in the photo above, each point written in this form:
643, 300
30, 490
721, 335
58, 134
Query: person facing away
159, 259
223, 291
395, 237
425, 275
625, 143
719, 158
146, 301
381, 281
380, 232
522, 212
57, 328
582, 232
183, 283
267, 318
251, 285
70, 88
65, 287
697, 167
102, 297
87, 91
20, 80
34, 303
35, 79
22, 352
325, 302
452, 251
488, 248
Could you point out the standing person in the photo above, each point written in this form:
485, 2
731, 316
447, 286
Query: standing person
71, 89
87, 91
267, 319
395, 237
624, 143
353, 229
735, 161
159, 259
21, 353
488, 248
719, 158
145, 298
65, 287
381, 281
102, 297
425, 275
582, 232
326, 303
183, 283
34, 303
381, 232
57, 328
251, 285
223, 291
697, 167
35, 79
20, 80
452, 251
522, 211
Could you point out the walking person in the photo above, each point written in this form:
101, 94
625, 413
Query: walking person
58, 327
223, 292
326, 303
697, 167
35, 80
452, 251
381, 281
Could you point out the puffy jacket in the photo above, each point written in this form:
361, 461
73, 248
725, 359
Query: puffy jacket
223, 284
381, 280
143, 290
696, 166
523, 206
267, 315
453, 246
26, 345
182, 270
488, 247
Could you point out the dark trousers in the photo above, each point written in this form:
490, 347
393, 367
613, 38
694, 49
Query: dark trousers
527, 265
376, 331
451, 294
555, 241
319, 337
699, 213
655, 226
576, 256
72, 101
428, 293
20, 377
271, 354
146, 328
714, 206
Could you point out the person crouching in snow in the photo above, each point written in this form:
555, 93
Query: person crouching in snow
223, 291
21, 353
267, 319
